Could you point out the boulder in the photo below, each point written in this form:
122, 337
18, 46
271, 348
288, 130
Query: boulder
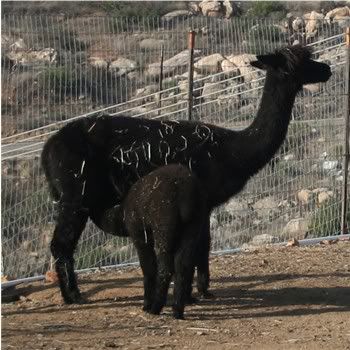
209, 64
211, 91
313, 21
305, 196
229, 8
179, 61
298, 24
313, 88
263, 239
33, 58
296, 228
229, 68
266, 208
234, 206
170, 16
151, 44
243, 63
98, 62
212, 8
122, 66
337, 14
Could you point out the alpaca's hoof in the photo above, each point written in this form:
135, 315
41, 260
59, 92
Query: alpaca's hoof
207, 295
74, 297
147, 307
179, 315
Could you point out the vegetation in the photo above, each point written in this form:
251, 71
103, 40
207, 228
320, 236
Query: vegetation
326, 220
263, 9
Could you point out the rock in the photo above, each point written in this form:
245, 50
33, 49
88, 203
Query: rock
176, 14
243, 63
296, 228
18, 45
234, 206
298, 24
313, 88
324, 196
209, 64
194, 7
229, 8
337, 14
263, 239
330, 165
33, 58
172, 64
122, 66
313, 21
211, 91
266, 207
305, 196
151, 44
149, 89
211, 8
98, 62
229, 68
293, 243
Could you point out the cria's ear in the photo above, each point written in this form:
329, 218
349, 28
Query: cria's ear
271, 60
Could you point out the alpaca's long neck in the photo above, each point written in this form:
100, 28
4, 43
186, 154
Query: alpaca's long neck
260, 141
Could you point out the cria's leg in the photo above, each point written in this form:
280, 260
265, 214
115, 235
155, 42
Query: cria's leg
70, 223
165, 263
183, 274
203, 262
148, 264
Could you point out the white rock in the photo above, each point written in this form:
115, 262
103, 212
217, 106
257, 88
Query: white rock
305, 196
337, 13
266, 207
243, 63
313, 88
313, 21
211, 91
98, 62
176, 14
172, 64
296, 228
122, 65
209, 64
229, 68
330, 164
25, 58
324, 196
298, 24
151, 44
263, 239
211, 8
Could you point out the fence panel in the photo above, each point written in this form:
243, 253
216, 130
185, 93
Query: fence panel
57, 69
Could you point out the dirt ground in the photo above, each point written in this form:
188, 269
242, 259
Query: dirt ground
273, 298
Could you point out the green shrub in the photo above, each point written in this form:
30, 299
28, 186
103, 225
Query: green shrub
263, 9
326, 220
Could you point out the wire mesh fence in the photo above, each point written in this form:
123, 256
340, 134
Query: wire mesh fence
57, 69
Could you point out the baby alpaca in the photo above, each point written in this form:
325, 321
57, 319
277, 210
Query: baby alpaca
164, 213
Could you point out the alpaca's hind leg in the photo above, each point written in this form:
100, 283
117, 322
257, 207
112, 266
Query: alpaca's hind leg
184, 264
69, 226
202, 262
165, 267
147, 258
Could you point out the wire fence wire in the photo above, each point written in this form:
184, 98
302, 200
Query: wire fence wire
58, 69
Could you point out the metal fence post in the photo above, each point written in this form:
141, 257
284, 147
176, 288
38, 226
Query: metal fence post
344, 225
161, 78
191, 43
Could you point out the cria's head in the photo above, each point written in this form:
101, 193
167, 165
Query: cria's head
294, 62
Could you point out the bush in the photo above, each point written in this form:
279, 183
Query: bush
263, 9
326, 220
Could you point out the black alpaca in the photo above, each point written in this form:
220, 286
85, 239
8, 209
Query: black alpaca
163, 215
91, 163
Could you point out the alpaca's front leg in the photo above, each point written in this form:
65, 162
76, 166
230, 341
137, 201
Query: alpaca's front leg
70, 224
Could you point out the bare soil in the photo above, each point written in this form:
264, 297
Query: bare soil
272, 298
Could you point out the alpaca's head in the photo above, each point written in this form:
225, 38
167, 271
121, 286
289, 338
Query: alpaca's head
294, 64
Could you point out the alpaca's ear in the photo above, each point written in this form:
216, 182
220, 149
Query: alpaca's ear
257, 64
272, 60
